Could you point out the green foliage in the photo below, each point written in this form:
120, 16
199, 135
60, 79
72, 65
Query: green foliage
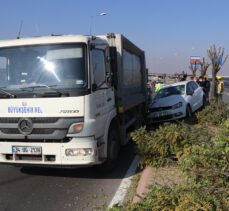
116, 207
159, 198
201, 152
157, 147
208, 167
165, 145
176, 198
214, 114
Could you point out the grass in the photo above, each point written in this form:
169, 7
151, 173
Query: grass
198, 179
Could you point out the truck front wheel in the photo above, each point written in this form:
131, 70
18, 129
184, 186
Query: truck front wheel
113, 146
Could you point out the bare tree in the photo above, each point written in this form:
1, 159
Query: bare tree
203, 67
217, 61
193, 68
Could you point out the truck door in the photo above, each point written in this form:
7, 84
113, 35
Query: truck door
102, 92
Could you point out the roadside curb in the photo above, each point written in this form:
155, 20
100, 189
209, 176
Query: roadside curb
144, 182
165, 176
125, 184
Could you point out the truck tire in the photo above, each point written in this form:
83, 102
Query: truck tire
113, 146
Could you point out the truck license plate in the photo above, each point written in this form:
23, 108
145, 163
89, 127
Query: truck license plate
25, 150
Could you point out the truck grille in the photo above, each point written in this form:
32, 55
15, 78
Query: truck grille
160, 108
42, 129
35, 131
46, 158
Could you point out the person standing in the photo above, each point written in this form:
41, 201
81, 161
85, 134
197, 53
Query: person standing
219, 89
158, 87
201, 83
184, 77
207, 86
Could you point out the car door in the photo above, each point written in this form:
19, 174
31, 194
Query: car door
197, 95
190, 96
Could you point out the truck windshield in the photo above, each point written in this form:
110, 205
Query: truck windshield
59, 65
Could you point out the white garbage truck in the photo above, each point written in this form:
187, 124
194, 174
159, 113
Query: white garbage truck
69, 101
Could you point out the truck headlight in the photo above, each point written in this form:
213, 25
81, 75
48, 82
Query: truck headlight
79, 152
76, 128
177, 105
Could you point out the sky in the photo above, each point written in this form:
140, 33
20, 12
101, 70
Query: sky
169, 31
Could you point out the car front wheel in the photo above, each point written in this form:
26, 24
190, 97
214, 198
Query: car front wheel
188, 111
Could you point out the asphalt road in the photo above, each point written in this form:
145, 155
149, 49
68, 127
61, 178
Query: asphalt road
226, 95
226, 91
39, 189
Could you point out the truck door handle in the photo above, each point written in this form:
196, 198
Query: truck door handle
109, 99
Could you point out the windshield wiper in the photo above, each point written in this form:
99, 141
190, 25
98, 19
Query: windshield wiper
6, 94
42, 86
37, 86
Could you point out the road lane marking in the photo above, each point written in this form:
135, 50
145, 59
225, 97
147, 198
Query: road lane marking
125, 184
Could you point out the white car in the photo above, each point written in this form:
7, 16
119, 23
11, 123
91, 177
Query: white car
176, 101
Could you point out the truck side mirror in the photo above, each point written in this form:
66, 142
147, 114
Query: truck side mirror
113, 65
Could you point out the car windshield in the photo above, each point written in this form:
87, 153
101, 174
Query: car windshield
59, 65
171, 90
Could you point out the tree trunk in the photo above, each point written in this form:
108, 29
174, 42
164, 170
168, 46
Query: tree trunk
213, 85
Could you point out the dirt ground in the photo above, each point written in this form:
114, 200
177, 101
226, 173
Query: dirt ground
165, 176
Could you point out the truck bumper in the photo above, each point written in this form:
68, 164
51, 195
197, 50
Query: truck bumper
53, 154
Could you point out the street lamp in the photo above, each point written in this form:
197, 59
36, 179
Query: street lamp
92, 19
102, 14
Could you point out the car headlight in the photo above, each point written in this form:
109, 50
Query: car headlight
76, 128
177, 105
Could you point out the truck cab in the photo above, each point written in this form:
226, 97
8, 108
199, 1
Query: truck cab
58, 100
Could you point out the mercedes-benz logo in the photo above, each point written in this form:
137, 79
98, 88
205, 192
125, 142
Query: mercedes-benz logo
25, 126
